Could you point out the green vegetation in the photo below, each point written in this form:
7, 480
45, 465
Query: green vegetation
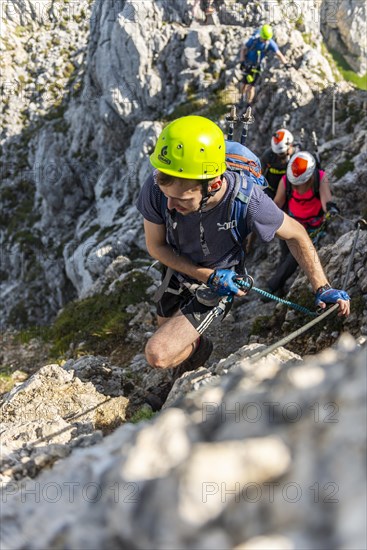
24, 336
300, 23
18, 207
307, 37
6, 380
191, 107
18, 315
343, 168
20, 30
347, 72
27, 238
304, 298
68, 70
216, 107
260, 327
98, 322
145, 413
358, 304
89, 232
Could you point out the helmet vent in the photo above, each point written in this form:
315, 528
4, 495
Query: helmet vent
179, 146
202, 150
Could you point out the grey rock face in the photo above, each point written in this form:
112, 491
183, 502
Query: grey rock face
86, 85
236, 465
53, 411
344, 24
336, 265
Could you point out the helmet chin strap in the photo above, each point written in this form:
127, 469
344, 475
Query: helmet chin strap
206, 194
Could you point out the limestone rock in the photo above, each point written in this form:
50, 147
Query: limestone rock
53, 407
199, 476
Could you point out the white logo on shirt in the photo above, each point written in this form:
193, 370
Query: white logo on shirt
227, 225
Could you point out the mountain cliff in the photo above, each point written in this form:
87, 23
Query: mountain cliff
86, 89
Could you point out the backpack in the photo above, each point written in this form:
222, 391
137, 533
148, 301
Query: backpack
243, 161
256, 38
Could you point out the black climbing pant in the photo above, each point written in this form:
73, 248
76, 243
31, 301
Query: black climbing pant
286, 267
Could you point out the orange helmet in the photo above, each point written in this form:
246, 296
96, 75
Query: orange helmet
300, 168
281, 140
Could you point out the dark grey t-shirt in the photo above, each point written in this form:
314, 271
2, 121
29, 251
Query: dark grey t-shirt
263, 217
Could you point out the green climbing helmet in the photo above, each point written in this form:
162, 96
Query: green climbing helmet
191, 147
266, 32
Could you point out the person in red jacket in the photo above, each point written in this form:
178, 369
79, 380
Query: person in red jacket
304, 193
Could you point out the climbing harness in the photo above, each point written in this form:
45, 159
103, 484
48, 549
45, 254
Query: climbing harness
224, 305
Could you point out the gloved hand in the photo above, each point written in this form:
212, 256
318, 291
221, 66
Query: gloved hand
330, 295
222, 281
332, 209
243, 65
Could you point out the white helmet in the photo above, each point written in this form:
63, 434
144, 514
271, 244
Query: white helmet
281, 140
300, 168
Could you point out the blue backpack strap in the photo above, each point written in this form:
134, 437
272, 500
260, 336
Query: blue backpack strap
171, 225
237, 212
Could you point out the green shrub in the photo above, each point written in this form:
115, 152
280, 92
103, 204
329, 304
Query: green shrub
343, 168
347, 72
145, 413
99, 322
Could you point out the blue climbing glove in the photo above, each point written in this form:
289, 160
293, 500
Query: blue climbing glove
330, 295
222, 282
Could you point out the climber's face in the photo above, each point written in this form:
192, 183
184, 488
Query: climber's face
183, 195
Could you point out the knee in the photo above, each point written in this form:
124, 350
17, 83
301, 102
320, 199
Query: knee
154, 354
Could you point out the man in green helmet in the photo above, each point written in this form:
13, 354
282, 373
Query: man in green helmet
188, 220
253, 51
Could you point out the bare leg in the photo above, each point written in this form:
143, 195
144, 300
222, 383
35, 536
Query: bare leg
174, 341
250, 93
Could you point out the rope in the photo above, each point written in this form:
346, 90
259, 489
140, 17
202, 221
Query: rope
288, 303
360, 224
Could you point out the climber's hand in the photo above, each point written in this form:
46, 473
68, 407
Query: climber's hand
222, 281
327, 295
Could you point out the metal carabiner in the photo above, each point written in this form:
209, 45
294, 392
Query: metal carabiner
245, 282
